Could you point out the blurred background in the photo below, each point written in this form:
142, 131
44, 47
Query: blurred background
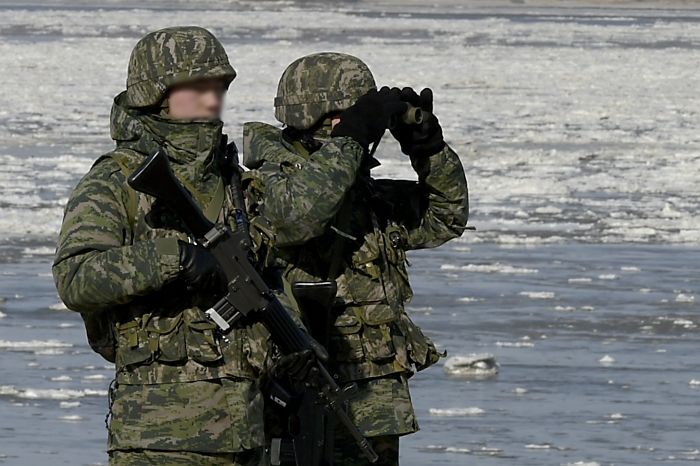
577, 124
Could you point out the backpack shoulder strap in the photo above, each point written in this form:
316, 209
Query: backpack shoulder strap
127, 161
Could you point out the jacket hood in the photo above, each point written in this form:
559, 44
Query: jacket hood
124, 125
186, 141
193, 146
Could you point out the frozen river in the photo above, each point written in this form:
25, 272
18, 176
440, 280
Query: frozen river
578, 128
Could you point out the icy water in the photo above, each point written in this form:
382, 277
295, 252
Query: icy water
578, 130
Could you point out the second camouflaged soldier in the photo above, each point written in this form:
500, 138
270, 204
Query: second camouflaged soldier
182, 395
333, 221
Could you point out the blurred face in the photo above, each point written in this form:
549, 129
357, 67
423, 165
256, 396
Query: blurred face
198, 100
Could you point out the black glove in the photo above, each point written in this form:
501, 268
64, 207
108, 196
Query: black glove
367, 120
294, 366
199, 270
424, 139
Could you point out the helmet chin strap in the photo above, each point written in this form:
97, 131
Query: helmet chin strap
308, 137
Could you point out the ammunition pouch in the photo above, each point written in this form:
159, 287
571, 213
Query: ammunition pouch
167, 339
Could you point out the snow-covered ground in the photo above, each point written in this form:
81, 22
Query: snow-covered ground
572, 125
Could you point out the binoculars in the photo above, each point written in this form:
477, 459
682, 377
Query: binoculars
405, 113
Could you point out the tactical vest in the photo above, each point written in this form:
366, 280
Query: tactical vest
372, 335
159, 338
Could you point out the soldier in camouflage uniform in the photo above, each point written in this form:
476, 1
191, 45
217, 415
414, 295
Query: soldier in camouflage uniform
333, 221
182, 395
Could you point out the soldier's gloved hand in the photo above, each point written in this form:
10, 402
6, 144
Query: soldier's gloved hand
294, 366
424, 139
199, 270
367, 120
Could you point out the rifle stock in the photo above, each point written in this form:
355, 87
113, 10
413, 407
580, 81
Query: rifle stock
156, 178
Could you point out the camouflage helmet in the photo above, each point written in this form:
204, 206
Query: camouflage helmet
171, 56
320, 83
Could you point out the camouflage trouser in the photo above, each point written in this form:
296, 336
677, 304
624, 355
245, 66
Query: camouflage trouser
209, 416
174, 458
347, 454
383, 406
382, 410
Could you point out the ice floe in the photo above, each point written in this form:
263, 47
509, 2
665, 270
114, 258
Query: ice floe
69, 404
580, 280
472, 365
61, 378
515, 344
490, 268
33, 345
607, 360
538, 294
468, 299
685, 298
685, 323
448, 449
58, 307
456, 412
39, 251
48, 393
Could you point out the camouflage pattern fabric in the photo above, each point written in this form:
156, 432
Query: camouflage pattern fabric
223, 415
319, 205
318, 84
383, 406
179, 386
339, 159
173, 56
184, 458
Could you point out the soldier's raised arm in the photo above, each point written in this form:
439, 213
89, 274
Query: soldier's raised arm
436, 208
302, 197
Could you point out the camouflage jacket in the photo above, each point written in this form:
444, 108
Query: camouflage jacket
333, 221
118, 257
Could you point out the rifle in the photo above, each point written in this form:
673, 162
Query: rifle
248, 296
308, 429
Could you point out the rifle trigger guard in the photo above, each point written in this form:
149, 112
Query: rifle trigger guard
213, 235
